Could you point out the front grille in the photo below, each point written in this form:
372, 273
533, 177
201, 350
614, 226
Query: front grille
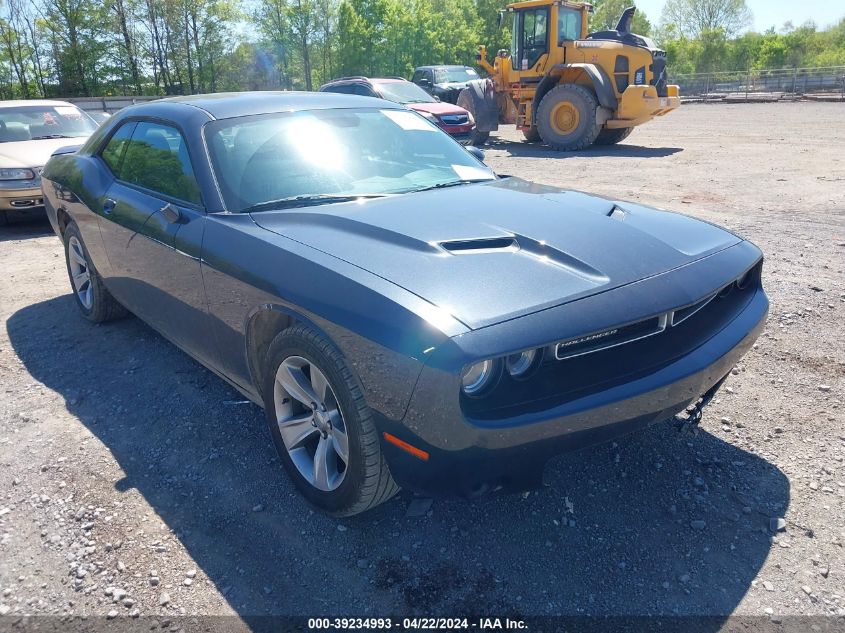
455, 119
610, 338
579, 367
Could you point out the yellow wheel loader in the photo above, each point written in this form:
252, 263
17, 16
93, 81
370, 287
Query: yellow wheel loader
564, 86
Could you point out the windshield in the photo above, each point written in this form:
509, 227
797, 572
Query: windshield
336, 153
454, 75
403, 92
32, 122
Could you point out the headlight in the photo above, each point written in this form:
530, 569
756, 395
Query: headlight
17, 174
470, 118
479, 377
520, 365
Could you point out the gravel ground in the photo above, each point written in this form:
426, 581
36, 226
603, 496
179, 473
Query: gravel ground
133, 481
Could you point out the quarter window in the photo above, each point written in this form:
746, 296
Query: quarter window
156, 158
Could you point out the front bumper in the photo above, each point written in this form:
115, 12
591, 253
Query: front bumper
461, 133
22, 199
641, 103
467, 457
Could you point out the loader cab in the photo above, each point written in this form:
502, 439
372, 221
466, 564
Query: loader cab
536, 27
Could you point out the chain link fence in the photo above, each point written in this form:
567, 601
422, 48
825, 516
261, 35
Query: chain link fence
771, 85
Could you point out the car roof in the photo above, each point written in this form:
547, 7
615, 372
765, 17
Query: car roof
436, 66
365, 80
227, 105
32, 102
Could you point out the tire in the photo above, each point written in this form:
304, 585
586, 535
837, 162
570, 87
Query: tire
93, 298
339, 488
477, 138
532, 135
612, 137
566, 117
467, 99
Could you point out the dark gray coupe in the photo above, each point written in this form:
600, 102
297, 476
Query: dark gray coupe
404, 316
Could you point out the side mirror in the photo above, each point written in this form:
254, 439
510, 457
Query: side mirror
437, 98
472, 149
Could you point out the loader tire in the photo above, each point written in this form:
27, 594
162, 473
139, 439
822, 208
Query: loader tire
469, 101
612, 137
566, 117
532, 135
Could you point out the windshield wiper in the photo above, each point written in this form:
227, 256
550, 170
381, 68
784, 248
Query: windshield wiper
451, 183
45, 136
304, 201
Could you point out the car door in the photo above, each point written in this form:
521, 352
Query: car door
152, 223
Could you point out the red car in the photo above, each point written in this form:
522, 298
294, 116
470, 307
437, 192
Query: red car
452, 119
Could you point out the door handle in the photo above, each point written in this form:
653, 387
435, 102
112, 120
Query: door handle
108, 206
171, 213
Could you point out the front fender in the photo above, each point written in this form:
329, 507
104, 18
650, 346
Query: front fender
598, 78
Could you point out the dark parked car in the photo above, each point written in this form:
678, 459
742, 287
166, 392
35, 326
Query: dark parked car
452, 119
444, 82
405, 317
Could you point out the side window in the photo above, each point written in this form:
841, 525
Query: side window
112, 153
157, 159
336, 89
363, 91
568, 24
418, 75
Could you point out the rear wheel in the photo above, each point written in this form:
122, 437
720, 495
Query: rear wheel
611, 137
322, 427
566, 117
532, 134
93, 298
469, 101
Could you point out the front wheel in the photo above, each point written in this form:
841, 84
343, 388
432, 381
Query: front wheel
322, 427
611, 137
93, 298
531, 134
471, 102
566, 117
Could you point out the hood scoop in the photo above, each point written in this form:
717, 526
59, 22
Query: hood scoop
524, 246
480, 245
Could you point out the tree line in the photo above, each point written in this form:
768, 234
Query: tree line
70, 48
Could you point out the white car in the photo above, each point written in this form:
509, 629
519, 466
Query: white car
30, 131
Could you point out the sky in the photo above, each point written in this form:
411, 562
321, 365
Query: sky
768, 13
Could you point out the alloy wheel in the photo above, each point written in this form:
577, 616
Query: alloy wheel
311, 423
80, 273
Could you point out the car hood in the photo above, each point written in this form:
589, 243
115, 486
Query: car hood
453, 85
438, 108
493, 251
33, 153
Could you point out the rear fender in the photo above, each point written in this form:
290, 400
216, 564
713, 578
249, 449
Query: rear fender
584, 74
